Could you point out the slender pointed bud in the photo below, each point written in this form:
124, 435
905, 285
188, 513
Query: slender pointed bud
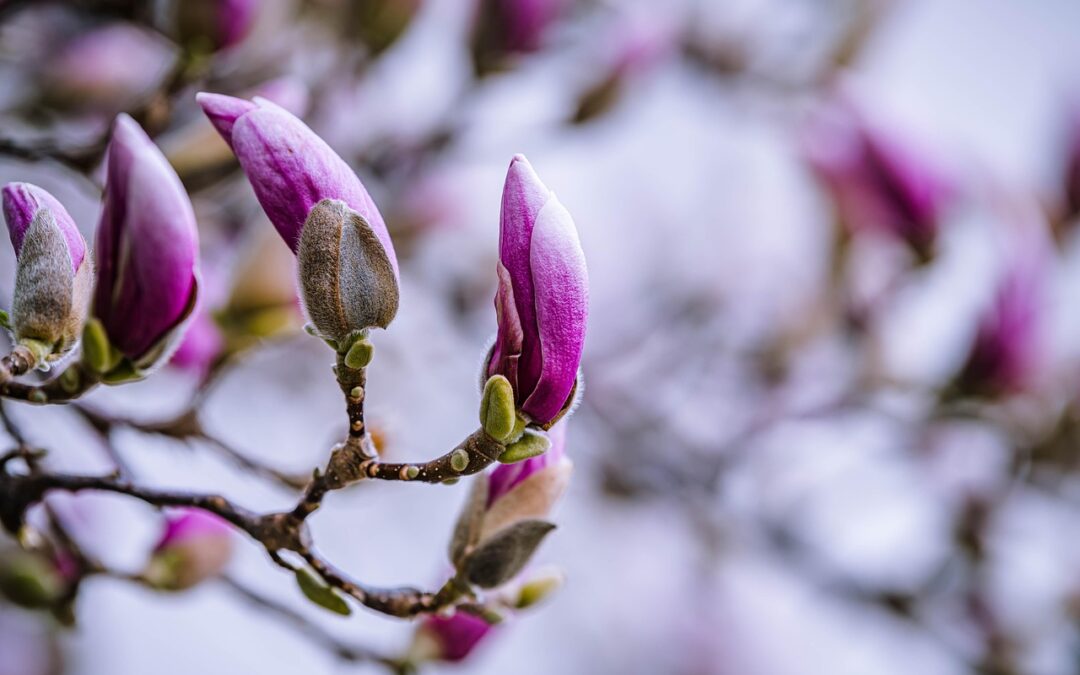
449, 638
109, 68
542, 299
195, 546
147, 244
874, 181
215, 24
53, 273
290, 168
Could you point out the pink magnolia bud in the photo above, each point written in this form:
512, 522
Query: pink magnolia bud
147, 244
1004, 358
195, 546
542, 299
217, 23
347, 266
53, 271
876, 183
109, 68
289, 166
454, 637
505, 27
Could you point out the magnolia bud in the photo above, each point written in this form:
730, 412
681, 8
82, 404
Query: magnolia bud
53, 272
542, 300
505, 27
449, 638
195, 546
109, 68
346, 263
215, 24
875, 182
346, 279
147, 245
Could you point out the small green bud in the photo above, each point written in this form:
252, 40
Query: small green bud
97, 353
69, 380
459, 461
531, 444
497, 413
359, 354
38, 396
317, 591
538, 589
5, 320
411, 472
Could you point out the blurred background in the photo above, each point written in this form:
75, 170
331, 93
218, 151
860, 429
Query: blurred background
832, 409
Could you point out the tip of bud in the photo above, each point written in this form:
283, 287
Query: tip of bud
223, 111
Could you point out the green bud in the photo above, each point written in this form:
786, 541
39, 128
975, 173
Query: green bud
317, 591
97, 353
459, 461
531, 444
69, 380
359, 354
30, 582
538, 589
5, 320
497, 412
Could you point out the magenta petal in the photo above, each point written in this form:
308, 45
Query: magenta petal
561, 288
507, 350
523, 197
457, 635
147, 244
223, 111
291, 169
190, 524
22, 201
506, 477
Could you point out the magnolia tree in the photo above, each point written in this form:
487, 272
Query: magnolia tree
113, 313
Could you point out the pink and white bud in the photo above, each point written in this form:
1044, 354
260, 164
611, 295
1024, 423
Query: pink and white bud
195, 545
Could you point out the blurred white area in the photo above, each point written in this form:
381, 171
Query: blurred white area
686, 184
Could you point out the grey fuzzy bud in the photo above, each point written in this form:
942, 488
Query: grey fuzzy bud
50, 302
346, 279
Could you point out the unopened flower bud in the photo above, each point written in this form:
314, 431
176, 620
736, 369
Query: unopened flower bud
109, 68
451, 638
503, 28
346, 263
542, 299
876, 183
195, 546
53, 273
215, 24
147, 245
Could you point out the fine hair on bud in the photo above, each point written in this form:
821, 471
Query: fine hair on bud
346, 279
50, 303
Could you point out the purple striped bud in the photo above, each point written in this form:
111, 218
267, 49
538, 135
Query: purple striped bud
53, 272
347, 267
875, 183
450, 638
109, 68
195, 546
147, 244
216, 23
542, 299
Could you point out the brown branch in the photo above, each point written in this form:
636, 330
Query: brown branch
73, 382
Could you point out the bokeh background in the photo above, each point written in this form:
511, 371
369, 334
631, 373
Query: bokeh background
831, 417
